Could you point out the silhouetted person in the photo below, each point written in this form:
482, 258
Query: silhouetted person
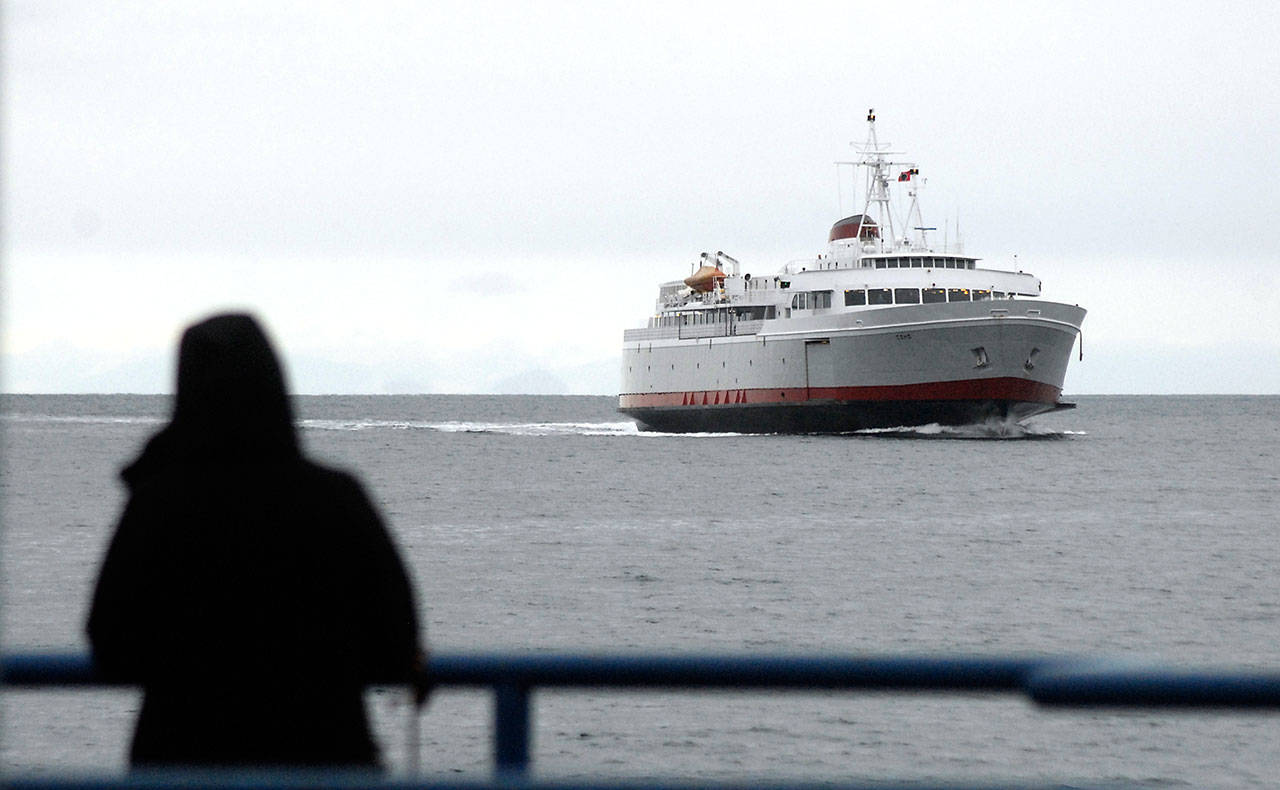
251, 592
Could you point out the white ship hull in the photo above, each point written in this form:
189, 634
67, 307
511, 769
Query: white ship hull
952, 364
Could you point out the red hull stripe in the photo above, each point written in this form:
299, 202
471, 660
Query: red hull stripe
1001, 389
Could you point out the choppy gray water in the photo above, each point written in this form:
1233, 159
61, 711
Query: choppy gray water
1134, 526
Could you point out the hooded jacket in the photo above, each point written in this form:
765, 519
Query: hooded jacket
252, 593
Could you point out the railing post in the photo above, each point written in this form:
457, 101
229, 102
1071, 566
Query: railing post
511, 728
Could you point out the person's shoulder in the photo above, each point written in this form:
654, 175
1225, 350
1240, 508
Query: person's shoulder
333, 479
160, 487
338, 497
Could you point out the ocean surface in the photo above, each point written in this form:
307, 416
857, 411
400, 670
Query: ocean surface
1133, 526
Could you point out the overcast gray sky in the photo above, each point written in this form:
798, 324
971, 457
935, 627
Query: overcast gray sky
479, 197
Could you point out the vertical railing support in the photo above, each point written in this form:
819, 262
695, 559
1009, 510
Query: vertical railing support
511, 728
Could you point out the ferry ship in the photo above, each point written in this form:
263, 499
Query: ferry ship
885, 329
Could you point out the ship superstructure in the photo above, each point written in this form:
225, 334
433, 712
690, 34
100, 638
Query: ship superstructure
884, 329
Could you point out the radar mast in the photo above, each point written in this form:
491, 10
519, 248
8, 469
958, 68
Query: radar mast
878, 159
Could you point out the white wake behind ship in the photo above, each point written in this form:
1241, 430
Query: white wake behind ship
885, 329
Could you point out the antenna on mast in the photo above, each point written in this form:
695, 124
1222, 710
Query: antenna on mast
877, 189
876, 157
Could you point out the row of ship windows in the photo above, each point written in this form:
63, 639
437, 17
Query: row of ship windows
875, 296
821, 300
719, 316
923, 263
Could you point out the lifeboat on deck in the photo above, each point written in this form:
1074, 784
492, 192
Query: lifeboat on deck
704, 279
859, 226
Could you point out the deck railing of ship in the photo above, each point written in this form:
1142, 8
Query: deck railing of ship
1051, 682
692, 331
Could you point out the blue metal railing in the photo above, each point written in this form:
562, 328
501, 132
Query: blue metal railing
1062, 681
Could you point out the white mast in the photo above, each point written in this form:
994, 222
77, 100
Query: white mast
874, 157
914, 212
